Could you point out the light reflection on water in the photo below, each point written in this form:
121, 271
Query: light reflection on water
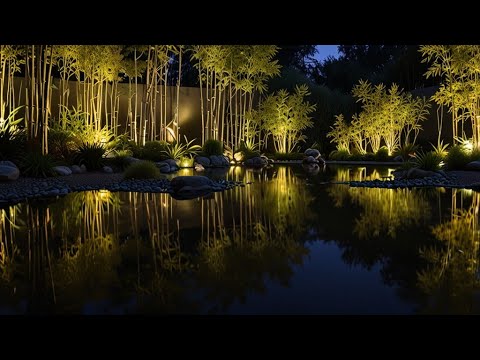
287, 243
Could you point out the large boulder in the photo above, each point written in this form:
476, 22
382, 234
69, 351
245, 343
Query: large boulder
189, 187
256, 162
219, 161
163, 167
312, 152
310, 160
62, 170
8, 172
83, 169
130, 160
8, 163
415, 173
202, 160
107, 170
171, 162
474, 165
76, 169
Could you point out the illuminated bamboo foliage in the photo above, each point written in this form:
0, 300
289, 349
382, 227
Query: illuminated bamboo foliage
459, 68
389, 115
11, 57
284, 116
38, 80
230, 76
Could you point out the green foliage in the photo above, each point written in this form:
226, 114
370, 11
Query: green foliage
35, 164
142, 170
427, 161
177, 150
328, 103
382, 154
368, 157
61, 143
406, 151
120, 161
339, 155
285, 116
457, 158
152, 151
90, 155
248, 151
388, 115
75, 123
458, 67
340, 134
441, 149
406, 165
11, 137
212, 147
287, 156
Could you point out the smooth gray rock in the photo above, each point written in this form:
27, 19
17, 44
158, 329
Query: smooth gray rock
62, 170
171, 162
192, 182
75, 169
8, 173
202, 160
256, 162
310, 160
83, 169
474, 165
398, 158
131, 159
312, 152
165, 169
8, 163
107, 170
216, 161
415, 173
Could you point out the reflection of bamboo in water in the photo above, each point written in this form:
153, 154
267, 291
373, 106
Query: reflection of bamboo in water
452, 274
8, 247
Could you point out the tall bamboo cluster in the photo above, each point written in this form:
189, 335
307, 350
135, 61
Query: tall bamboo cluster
10, 60
230, 77
459, 68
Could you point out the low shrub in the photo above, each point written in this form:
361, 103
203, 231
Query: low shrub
428, 161
90, 155
120, 161
153, 151
382, 154
339, 155
457, 158
142, 170
212, 147
407, 151
35, 164
368, 157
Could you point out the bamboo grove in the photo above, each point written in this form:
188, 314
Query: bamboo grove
51, 84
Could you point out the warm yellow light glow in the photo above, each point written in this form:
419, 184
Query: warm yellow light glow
467, 192
186, 162
104, 194
238, 156
468, 145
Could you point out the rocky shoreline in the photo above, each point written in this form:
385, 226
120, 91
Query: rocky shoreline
25, 189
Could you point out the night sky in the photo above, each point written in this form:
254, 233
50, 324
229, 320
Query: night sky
325, 50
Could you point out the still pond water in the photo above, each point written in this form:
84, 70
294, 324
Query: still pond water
285, 244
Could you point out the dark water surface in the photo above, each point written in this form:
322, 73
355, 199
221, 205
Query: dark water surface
285, 244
